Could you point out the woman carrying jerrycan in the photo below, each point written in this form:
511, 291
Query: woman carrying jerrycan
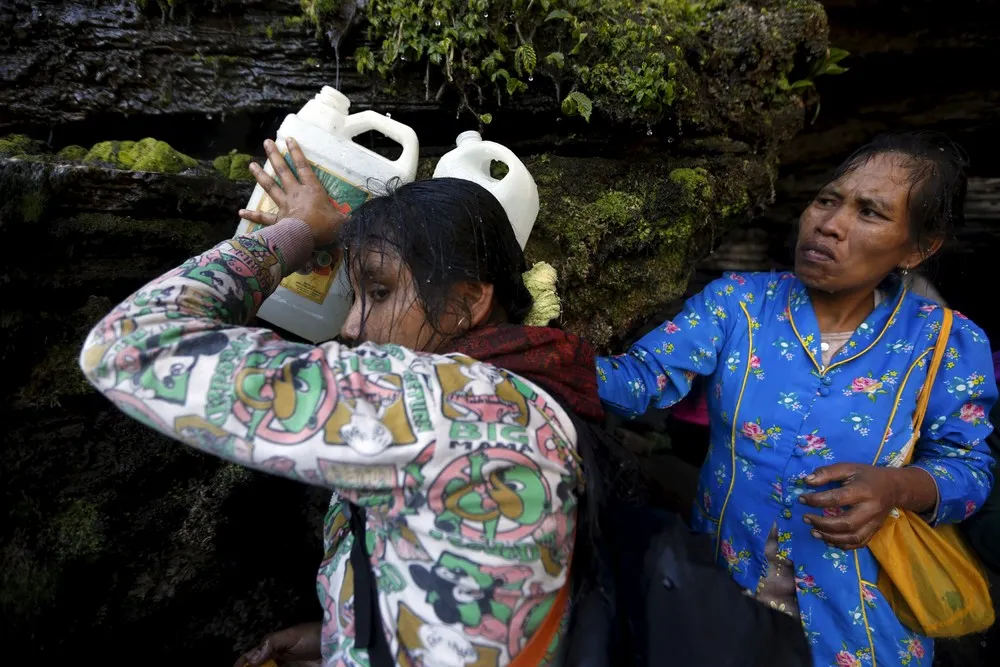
470, 487
848, 416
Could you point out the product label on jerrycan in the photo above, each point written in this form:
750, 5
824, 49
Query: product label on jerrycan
314, 280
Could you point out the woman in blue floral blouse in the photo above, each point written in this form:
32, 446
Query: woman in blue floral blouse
813, 380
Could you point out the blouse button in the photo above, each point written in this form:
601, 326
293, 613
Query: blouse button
824, 391
798, 452
827, 380
787, 513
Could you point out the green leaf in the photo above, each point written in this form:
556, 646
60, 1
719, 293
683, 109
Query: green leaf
579, 43
363, 59
836, 55
500, 74
525, 59
833, 69
486, 118
556, 59
559, 14
515, 86
578, 104
802, 83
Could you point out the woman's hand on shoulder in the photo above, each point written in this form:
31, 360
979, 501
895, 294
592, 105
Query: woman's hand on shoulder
301, 197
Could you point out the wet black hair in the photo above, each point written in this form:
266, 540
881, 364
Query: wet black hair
445, 231
937, 180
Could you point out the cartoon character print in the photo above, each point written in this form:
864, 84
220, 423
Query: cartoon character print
492, 495
385, 529
282, 465
168, 376
475, 391
213, 269
196, 429
480, 597
554, 535
423, 644
551, 441
371, 414
284, 395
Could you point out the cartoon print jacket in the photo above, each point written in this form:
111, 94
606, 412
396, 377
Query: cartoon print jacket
777, 414
463, 469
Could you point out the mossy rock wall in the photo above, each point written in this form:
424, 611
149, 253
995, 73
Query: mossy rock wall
119, 539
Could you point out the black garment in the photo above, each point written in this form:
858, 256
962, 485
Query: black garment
369, 633
648, 592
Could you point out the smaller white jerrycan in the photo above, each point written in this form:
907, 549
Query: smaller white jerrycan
313, 302
516, 192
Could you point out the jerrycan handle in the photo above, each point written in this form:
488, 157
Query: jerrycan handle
403, 135
506, 156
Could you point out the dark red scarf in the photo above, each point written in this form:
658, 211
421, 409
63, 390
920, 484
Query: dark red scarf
560, 363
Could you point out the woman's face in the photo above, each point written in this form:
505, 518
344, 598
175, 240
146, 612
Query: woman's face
857, 229
384, 287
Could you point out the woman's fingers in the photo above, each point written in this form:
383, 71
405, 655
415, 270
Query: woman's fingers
278, 164
302, 166
270, 186
259, 217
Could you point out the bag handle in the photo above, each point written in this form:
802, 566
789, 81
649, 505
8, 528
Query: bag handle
940, 347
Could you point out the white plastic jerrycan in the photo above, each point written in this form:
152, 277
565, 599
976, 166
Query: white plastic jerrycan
313, 303
516, 192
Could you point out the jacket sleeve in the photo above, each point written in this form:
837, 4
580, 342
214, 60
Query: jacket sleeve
177, 355
657, 371
952, 446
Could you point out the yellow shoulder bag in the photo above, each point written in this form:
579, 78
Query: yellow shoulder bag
930, 577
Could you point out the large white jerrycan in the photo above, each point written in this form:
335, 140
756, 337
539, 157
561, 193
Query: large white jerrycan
516, 192
313, 302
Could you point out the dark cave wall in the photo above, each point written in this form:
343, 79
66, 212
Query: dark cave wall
119, 542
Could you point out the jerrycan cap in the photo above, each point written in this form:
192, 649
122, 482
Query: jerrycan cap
468, 137
334, 99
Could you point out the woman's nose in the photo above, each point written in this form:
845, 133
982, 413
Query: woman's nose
836, 223
351, 329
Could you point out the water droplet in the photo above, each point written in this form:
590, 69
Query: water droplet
670, 140
437, 23
649, 131
388, 115
531, 78
486, 15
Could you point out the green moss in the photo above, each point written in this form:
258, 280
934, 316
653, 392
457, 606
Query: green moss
146, 155
632, 227
320, 12
33, 206
56, 378
80, 530
637, 61
221, 61
74, 153
694, 182
234, 166
18, 144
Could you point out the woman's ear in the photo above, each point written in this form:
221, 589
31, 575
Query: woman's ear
477, 298
921, 255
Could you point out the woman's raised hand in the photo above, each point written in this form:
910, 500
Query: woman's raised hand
303, 197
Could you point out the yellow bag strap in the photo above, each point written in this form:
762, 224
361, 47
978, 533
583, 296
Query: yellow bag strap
925, 392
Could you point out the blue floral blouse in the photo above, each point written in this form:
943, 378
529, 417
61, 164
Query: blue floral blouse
777, 414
